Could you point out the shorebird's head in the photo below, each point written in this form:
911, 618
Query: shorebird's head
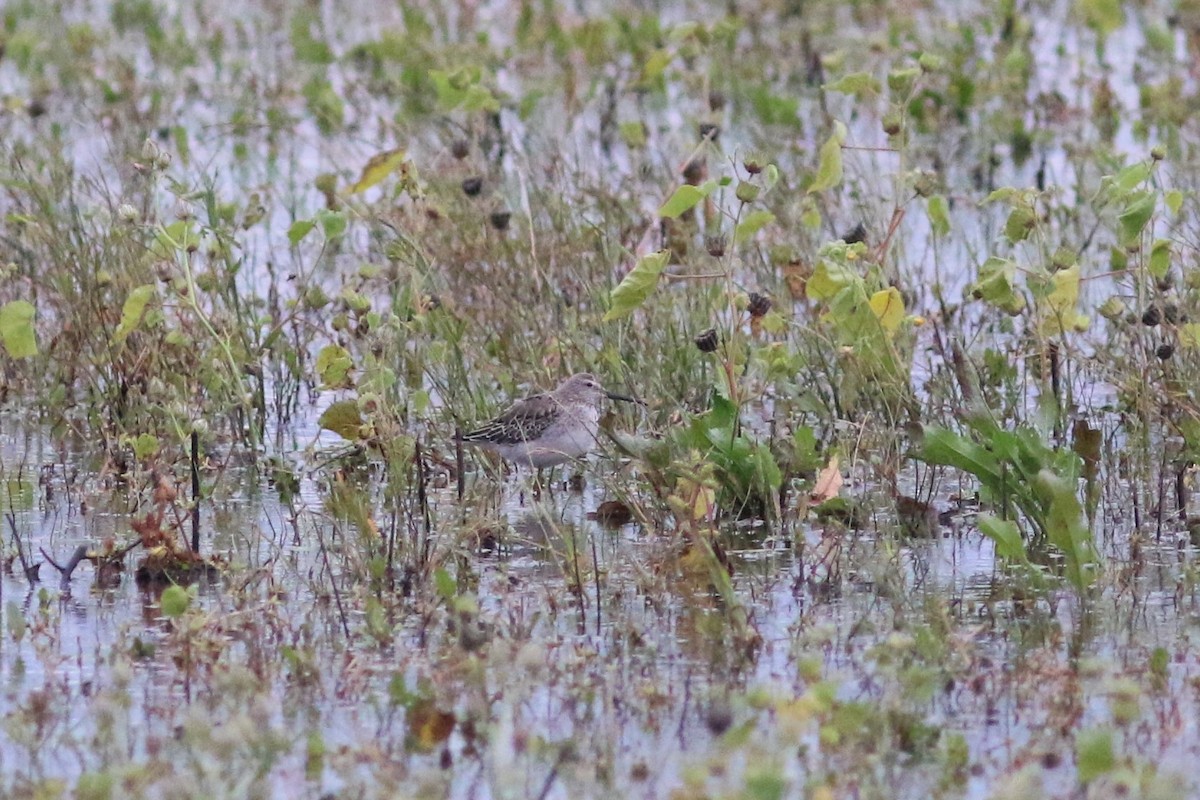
585, 387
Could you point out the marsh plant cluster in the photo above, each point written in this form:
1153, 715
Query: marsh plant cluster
907, 293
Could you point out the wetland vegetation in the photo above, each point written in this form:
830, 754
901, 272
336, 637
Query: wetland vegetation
908, 293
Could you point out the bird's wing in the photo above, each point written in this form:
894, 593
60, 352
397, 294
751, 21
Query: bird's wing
524, 421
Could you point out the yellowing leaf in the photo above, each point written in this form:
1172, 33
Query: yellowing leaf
334, 365
829, 167
16, 329
379, 167
829, 482
1060, 314
133, 310
888, 306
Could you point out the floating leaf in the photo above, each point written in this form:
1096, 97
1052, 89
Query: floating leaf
637, 285
685, 198
133, 310
888, 306
334, 365
829, 167
16, 329
379, 167
342, 418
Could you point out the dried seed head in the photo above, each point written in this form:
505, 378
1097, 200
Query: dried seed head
694, 171
759, 305
707, 342
754, 164
716, 245
1165, 351
472, 186
709, 131
460, 148
1151, 316
855, 235
500, 219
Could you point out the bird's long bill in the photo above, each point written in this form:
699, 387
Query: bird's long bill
621, 397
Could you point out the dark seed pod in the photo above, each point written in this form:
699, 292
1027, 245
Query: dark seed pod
716, 100
709, 131
694, 171
1165, 282
715, 245
759, 304
500, 219
1152, 316
707, 342
1171, 313
718, 717
36, 108
1165, 351
472, 186
855, 235
753, 165
460, 148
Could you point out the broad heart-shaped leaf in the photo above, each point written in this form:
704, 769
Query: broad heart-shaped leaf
637, 285
343, 419
334, 365
1059, 313
888, 306
996, 285
828, 279
133, 311
1136, 214
16, 329
379, 167
829, 167
685, 198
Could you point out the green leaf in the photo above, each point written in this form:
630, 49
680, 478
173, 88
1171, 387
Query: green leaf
1160, 258
637, 285
1136, 214
334, 365
342, 418
1021, 221
444, 584
939, 215
829, 167
16, 329
133, 311
1173, 200
299, 229
752, 224
1094, 754
1006, 536
333, 223
174, 601
145, 446
1102, 16
858, 84
685, 198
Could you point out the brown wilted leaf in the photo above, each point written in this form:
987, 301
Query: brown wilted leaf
612, 514
829, 482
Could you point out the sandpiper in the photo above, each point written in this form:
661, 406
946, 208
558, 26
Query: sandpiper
549, 428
